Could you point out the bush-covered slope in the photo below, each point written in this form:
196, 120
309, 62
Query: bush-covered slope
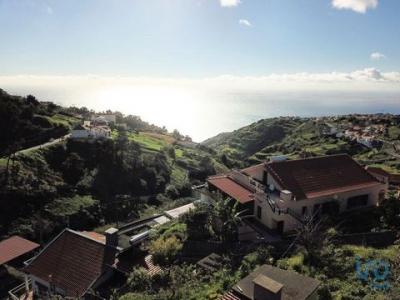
26, 122
296, 137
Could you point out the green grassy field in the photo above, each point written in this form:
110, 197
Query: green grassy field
67, 121
394, 132
389, 253
69, 206
147, 141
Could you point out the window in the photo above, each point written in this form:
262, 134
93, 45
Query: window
304, 210
357, 201
259, 212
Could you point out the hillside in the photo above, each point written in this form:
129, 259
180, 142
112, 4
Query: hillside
304, 137
30, 122
89, 183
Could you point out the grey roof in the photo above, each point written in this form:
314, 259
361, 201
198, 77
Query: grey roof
295, 286
268, 283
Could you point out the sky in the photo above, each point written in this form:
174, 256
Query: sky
197, 38
140, 55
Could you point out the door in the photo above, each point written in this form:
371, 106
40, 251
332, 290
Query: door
280, 226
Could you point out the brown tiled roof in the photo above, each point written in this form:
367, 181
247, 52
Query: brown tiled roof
14, 247
72, 262
231, 188
313, 177
379, 171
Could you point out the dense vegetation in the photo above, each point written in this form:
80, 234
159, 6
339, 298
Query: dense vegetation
316, 254
26, 122
91, 184
302, 137
84, 184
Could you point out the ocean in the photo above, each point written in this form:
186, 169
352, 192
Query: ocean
202, 114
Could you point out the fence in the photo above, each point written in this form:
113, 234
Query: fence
378, 239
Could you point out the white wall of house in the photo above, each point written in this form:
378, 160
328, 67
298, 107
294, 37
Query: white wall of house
270, 219
271, 180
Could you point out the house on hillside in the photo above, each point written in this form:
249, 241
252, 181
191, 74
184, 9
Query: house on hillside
279, 194
73, 264
90, 131
108, 118
85, 264
271, 283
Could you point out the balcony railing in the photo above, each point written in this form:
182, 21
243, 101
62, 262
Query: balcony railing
275, 209
20, 292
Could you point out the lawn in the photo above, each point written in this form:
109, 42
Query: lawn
148, 141
64, 120
387, 168
69, 206
389, 253
178, 175
394, 132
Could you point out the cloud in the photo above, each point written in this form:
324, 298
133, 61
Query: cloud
245, 22
368, 79
360, 6
229, 3
377, 56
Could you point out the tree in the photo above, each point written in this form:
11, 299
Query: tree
225, 218
73, 168
312, 238
164, 250
139, 280
391, 211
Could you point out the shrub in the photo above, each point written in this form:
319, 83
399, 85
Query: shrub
139, 280
172, 192
164, 250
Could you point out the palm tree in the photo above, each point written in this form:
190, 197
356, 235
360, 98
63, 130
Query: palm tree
225, 218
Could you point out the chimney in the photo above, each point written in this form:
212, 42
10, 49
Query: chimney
111, 237
266, 288
286, 195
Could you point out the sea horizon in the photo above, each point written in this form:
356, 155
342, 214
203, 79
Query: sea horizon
204, 114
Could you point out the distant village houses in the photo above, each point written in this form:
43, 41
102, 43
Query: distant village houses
109, 118
97, 127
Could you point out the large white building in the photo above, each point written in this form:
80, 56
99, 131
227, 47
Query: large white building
281, 193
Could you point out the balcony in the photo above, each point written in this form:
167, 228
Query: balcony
22, 291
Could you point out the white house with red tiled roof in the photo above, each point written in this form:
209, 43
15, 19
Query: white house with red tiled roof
279, 194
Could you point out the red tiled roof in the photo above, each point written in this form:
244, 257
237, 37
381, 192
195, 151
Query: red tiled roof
72, 262
231, 296
254, 170
129, 260
231, 188
313, 177
96, 236
14, 247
